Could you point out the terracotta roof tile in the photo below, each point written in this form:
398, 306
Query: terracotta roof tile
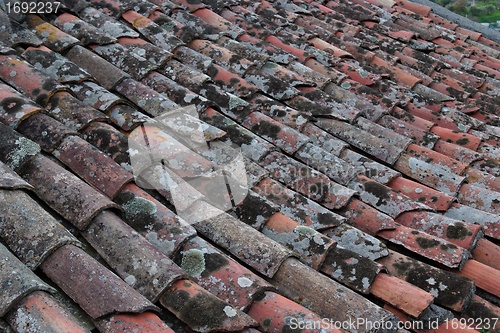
16, 151
18, 281
51, 36
107, 24
74, 200
40, 311
212, 269
211, 314
300, 208
29, 231
14, 107
484, 276
450, 290
9, 180
85, 32
273, 310
97, 290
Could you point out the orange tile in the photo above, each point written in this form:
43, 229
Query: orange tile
421, 193
401, 294
484, 276
275, 314
487, 253
40, 312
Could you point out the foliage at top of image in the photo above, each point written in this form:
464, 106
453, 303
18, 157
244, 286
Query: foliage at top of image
484, 11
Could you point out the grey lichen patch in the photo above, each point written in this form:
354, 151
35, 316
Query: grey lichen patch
193, 262
139, 206
24, 149
305, 231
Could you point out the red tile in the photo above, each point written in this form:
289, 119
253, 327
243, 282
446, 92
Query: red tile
421, 193
183, 296
10, 180
366, 218
51, 36
299, 208
355, 72
311, 246
462, 234
18, 281
96, 289
138, 322
431, 247
482, 179
219, 274
14, 108
93, 166
27, 79
40, 311
399, 75
457, 294
232, 82
484, 276
457, 152
275, 313
436, 158
402, 295
481, 308
68, 195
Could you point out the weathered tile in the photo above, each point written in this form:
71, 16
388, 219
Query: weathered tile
431, 247
310, 245
484, 276
290, 282
261, 253
71, 112
297, 176
219, 274
96, 289
76, 201
158, 224
50, 35
146, 98
106, 74
9, 180
449, 289
213, 314
132, 63
380, 148
128, 322
368, 167
94, 95
383, 198
17, 280
81, 30
296, 206
366, 218
14, 107
16, 151
92, 165
418, 192
148, 51
418, 135
39, 311
30, 232
479, 198
436, 176
152, 31
127, 117
282, 136
45, 131
106, 23
351, 269
276, 313
132, 257
35, 84
357, 241
55, 65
